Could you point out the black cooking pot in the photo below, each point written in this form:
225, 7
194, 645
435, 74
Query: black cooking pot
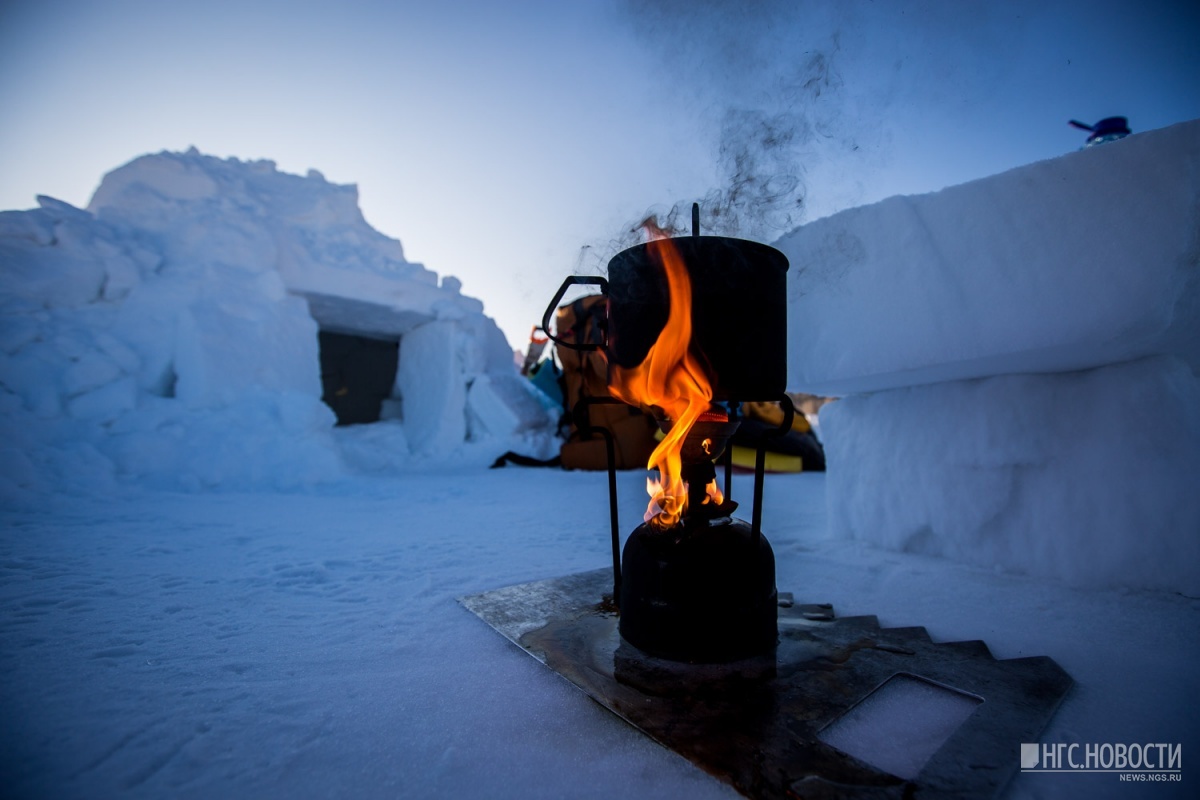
739, 311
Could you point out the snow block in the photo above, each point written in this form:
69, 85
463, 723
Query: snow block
42, 271
105, 404
500, 405
262, 439
227, 346
1089, 259
434, 391
452, 388
1088, 477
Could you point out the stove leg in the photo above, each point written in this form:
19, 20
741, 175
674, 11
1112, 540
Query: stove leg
583, 423
760, 461
727, 456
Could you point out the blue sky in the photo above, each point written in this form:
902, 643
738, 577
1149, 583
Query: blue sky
511, 143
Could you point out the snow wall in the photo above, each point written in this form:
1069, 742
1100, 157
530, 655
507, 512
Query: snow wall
1018, 359
168, 335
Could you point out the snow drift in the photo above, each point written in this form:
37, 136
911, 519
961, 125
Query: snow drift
168, 335
1022, 359
1077, 262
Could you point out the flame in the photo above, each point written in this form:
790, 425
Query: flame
655, 510
715, 495
672, 379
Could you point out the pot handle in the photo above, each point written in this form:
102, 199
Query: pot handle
572, 280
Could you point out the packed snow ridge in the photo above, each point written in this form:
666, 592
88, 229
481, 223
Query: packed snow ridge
1019, 364
168, 335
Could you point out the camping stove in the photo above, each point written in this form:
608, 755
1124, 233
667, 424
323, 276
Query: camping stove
703, 589
778, 698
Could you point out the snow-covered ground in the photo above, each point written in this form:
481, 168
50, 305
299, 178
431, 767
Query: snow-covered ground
309, 644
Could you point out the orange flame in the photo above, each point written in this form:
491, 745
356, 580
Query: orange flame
672, 379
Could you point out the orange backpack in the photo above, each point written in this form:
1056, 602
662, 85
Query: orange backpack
585, 374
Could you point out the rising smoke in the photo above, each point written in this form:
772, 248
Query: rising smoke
764, 86
799, 99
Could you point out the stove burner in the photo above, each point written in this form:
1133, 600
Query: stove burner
702, 590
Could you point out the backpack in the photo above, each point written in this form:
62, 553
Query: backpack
585, 374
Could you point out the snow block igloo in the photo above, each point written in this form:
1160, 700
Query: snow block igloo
1018, 359
178, 317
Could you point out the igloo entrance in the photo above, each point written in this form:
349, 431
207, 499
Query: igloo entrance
357, 376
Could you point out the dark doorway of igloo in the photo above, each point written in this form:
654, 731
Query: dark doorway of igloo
357, 375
